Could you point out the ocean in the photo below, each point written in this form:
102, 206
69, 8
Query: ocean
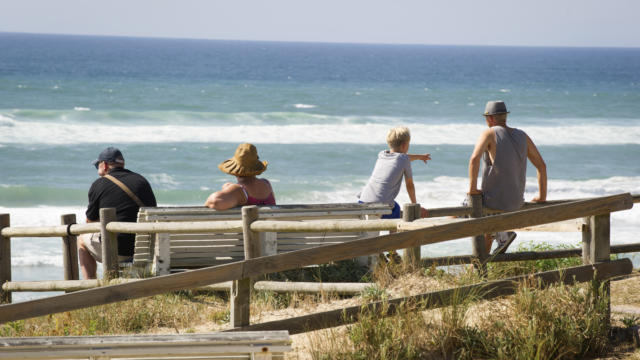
317, 112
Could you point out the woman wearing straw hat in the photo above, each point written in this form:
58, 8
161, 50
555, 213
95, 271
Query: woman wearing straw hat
249, 190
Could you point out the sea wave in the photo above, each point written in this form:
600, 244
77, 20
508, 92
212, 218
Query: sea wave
367, 133
304, 106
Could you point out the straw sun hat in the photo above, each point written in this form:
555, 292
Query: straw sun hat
245, 162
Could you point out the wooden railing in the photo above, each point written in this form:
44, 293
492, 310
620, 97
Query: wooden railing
596, 249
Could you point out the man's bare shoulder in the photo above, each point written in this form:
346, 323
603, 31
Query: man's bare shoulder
487, 134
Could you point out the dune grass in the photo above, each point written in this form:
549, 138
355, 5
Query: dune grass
178, 311
561, 322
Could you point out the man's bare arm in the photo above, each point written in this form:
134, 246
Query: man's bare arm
536, 159
474, 160
411, 189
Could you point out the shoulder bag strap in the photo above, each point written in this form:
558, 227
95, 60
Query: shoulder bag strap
124, 188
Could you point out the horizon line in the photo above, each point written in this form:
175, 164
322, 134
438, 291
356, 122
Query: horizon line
316, 41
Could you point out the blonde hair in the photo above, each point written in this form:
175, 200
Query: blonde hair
397, 136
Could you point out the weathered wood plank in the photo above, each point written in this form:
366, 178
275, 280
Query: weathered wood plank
159, 346
209, 237
5, 257
266, 209
320, 255
436, 299
207, 248
69, 250
49, 231
313, 287
276, 286
196, 263
282, 216
109, 244
324, 225
240, 302
176, 227
411, 212
319, 240
325, 234
572, 225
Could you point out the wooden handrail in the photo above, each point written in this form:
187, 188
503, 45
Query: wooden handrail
296, 259
181, 227
203, 226
50, 231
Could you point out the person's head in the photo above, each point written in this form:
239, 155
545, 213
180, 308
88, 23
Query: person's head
244, 163
108, 159
398, 139
495, 113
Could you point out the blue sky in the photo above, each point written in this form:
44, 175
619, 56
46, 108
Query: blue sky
458, 22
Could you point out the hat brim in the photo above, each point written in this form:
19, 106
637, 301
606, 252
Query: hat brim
231, 167
498, 113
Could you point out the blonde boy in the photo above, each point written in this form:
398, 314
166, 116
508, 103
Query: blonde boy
392, 165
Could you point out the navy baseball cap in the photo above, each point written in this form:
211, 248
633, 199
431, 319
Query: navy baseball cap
110, 155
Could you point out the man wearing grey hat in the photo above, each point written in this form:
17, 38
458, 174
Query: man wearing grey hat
117, 188
504, 151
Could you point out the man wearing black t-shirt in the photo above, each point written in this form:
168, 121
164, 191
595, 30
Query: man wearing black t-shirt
117, 188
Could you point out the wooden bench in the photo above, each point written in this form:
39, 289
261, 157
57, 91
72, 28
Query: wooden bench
236, 345
189, 251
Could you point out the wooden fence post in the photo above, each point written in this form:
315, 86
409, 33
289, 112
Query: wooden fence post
69, 250
597, 240
5, 259
478, 242
411, 212
161, 264
586, 241
109, 245
241, 289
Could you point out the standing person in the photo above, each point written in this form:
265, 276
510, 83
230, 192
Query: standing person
248, 189
505, 151
117, 188
391, 167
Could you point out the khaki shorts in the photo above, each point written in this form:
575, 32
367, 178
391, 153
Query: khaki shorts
94, 244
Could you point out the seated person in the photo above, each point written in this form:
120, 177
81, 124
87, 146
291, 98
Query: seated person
118, 188
392, 166
248, 189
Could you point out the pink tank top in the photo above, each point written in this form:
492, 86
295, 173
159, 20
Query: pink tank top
269, 200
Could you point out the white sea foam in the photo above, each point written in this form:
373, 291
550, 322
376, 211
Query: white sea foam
18, 132
167, 181
7, 120
80, 108
304, 106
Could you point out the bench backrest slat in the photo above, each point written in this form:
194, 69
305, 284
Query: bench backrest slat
198, 250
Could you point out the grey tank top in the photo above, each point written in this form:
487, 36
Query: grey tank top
503, 181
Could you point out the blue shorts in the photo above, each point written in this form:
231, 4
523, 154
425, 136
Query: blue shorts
395, 213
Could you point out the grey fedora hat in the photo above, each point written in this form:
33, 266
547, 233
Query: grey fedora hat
495, 108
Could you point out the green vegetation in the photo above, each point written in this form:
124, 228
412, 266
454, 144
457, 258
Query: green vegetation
561, 322
514, 268
179, 310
